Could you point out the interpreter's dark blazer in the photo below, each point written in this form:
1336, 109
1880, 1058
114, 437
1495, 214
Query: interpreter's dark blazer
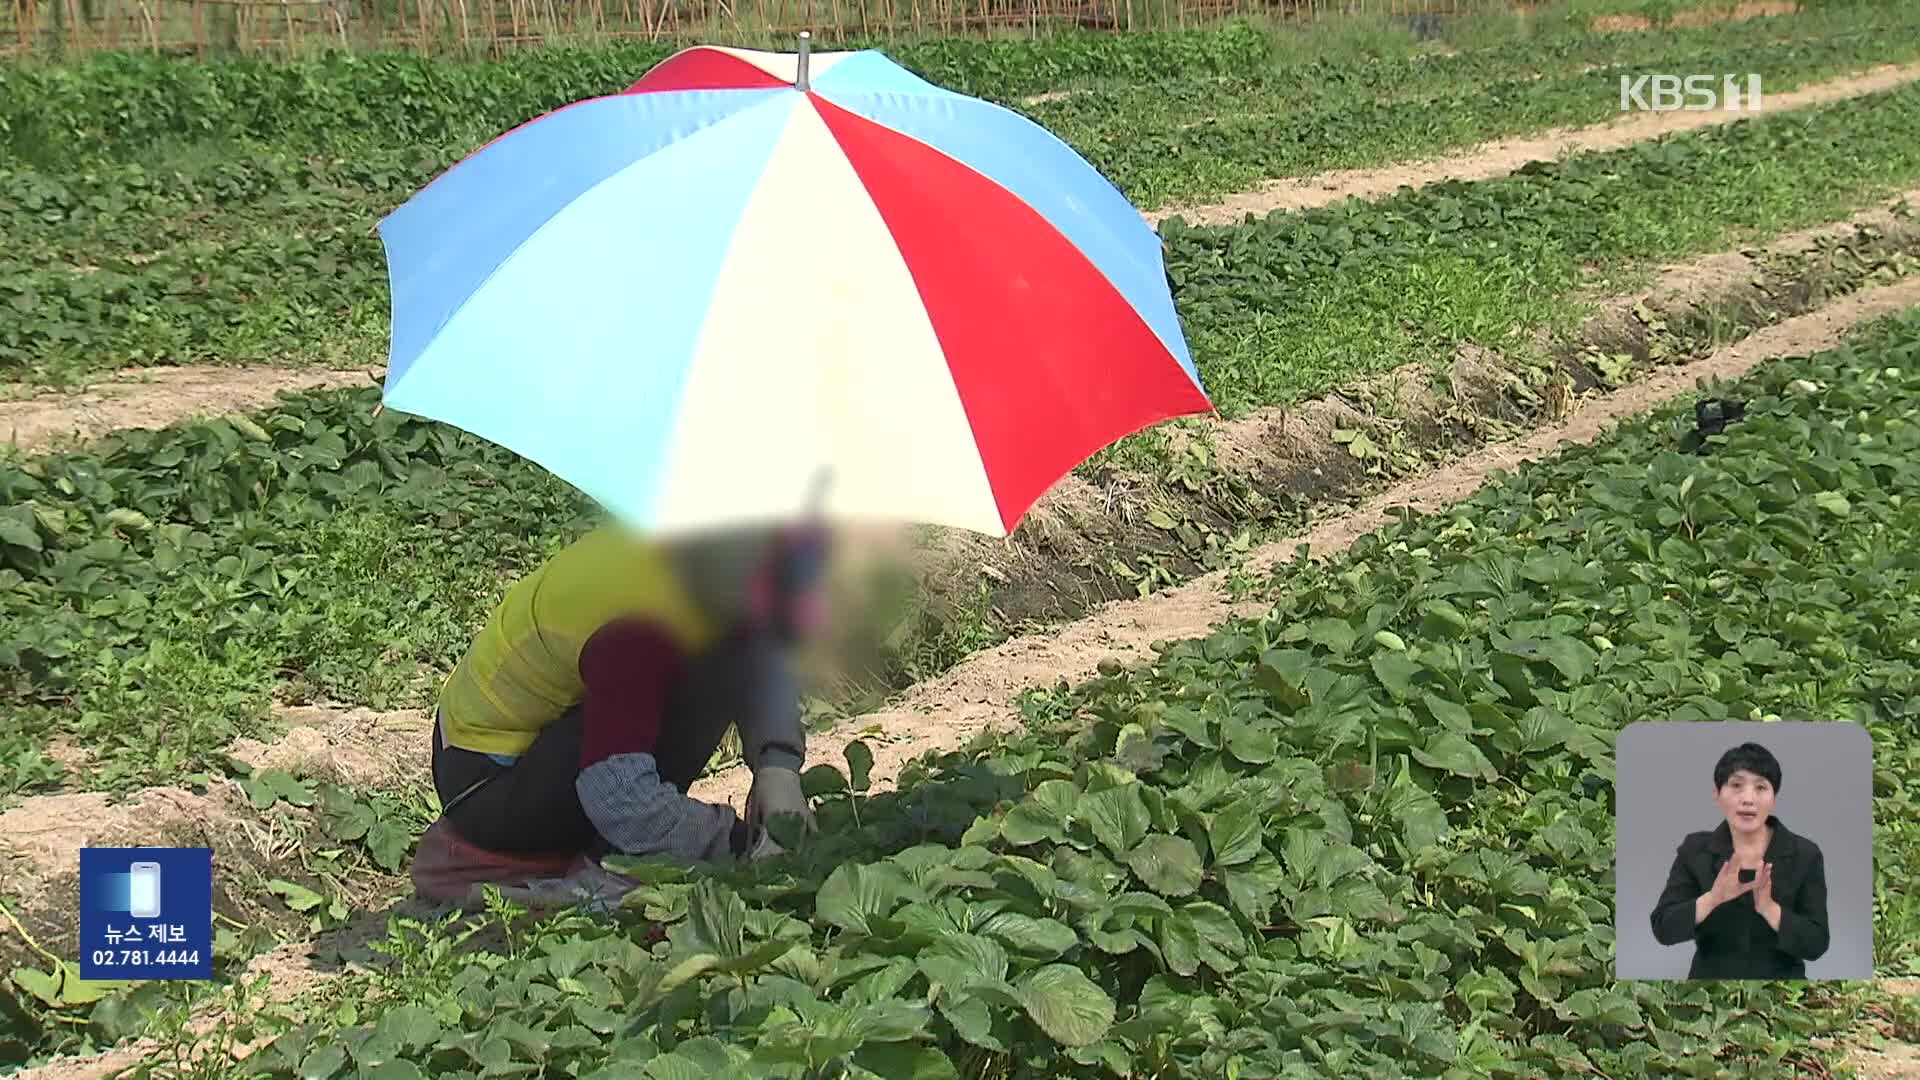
1734, 941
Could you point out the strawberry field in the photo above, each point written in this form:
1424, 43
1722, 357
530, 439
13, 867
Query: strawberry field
1363, 834
1366, 834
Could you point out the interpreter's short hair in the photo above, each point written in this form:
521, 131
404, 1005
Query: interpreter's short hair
1752, 757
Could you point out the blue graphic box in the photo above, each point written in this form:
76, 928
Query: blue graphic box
146, 913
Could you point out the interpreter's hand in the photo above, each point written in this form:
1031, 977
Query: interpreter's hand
1727, 884
775, 792
1763, 901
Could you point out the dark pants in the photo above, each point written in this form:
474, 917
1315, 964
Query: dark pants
532, 807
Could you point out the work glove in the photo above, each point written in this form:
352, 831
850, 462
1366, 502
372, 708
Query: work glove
776, 791
764, 848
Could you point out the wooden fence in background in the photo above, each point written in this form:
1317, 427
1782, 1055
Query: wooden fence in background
53, 27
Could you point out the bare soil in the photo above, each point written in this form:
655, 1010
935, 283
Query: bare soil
154, 398
1505, 156
1696, 16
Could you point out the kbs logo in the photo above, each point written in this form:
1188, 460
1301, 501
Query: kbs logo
1689, 93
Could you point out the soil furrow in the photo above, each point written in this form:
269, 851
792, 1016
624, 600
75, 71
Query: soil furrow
155, 397
1503, 156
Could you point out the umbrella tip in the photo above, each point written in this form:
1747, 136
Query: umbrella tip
800, 81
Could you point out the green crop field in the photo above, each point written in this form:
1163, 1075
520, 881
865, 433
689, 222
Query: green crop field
1366, 834
1355, 836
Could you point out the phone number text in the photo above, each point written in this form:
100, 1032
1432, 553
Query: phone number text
144, 957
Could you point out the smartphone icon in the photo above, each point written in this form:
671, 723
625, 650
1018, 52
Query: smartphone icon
144, 890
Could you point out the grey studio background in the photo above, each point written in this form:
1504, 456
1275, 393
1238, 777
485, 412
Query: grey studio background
1663, 790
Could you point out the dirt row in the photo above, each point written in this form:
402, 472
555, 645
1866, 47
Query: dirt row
160, 396
1700, 16
1504, 156
40, 838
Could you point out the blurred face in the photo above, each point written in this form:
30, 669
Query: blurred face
788, 594
1746, 799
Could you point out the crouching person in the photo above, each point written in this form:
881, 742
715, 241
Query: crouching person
597, 693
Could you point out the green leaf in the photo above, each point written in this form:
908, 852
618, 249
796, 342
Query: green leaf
1449, 714
822, 780
410, 1026
905, 1061
1030, 822
1573, 658
1234, 834
686, 971
1283, 675
1169, 865
38, 983
1117, 816
297, 897
1253, 745
1442, 620
390, 844
853, 895
1456, 754
956, 960
1486, 992
289, 787
859, 764
677, 1066
1067, 1005
1335, 635
719, 918
1194, 726
1397, 672
890, 1021
1833, 503
323, 1063
1422, 821
760, 957
1026, 934
19, 533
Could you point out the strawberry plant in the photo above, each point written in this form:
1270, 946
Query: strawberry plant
265, 252
1199, 139
1289, 305
1365, 834
163, 583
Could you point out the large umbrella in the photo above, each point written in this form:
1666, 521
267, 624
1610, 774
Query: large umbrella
753, 271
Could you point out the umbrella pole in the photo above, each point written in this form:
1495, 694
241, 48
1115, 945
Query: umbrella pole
800, 71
